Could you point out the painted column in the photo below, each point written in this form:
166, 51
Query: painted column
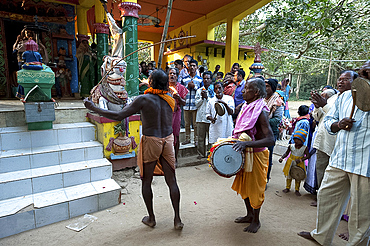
82, 20
232, 43
102, 32
129, 13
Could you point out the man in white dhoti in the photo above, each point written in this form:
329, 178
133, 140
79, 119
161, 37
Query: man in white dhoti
221, 126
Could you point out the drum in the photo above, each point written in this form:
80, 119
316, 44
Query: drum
220, 109
225, 161
361, 93
297, 172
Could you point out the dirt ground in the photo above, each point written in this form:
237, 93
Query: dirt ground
208, 210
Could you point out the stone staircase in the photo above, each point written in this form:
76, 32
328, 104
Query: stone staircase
52, 175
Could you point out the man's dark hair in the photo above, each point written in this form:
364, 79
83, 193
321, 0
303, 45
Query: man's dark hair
193, 61
180, 62
191, 58
159, 79
353, 73
241, 73
142, 63
220, 73
236, 64
207, 73
303, 110
176, 70
328, 87
201, 70
218, 83
259, 85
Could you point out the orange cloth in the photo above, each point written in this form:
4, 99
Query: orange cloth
152, 148
253, 184
165, 95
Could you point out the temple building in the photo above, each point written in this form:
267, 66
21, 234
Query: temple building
61, 26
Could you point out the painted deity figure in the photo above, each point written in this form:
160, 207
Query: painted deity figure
86, 70
111, 93
63, 76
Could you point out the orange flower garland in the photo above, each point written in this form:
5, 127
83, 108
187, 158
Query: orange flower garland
163, 94
150, 90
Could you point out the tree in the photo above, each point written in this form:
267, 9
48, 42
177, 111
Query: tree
293, 30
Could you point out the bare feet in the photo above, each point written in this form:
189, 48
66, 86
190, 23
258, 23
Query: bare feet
344, 236
178, 225
148, 221
245, 219
306, 235
286, 190
297, 193
314, 204
253, 228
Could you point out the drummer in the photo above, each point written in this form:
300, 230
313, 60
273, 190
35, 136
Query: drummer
221, 126
253, 119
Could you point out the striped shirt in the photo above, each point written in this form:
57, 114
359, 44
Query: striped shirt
190, 97
352, 148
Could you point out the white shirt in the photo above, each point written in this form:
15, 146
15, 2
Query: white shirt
201, 105
223, 127
352, 148
324, 141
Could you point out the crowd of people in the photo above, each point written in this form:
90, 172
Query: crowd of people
330, 147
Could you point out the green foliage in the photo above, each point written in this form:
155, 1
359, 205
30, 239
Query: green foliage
323, 29
145, 54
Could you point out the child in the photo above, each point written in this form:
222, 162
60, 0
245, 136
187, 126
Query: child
298, 153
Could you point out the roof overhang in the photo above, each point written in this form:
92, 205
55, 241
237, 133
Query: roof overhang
205, 44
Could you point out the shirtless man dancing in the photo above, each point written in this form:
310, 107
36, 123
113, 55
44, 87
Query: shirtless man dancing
156, 153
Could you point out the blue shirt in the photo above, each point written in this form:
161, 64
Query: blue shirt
303, 124
238, 95
352, 148
190, 97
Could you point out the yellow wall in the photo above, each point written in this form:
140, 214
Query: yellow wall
213, 61
153, 38
202, 27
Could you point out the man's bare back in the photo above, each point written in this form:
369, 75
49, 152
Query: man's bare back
156, 116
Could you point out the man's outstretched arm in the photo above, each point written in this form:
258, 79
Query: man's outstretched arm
131, 109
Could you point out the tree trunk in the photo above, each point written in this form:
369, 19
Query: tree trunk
331, 57
298, 86
164, 34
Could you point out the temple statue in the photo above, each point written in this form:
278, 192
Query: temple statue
63, 76
86, 68
111, 93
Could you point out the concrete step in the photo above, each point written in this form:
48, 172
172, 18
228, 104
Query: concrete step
32, 211
31, 181
15, 138
52, 175
29, 158
191, 161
